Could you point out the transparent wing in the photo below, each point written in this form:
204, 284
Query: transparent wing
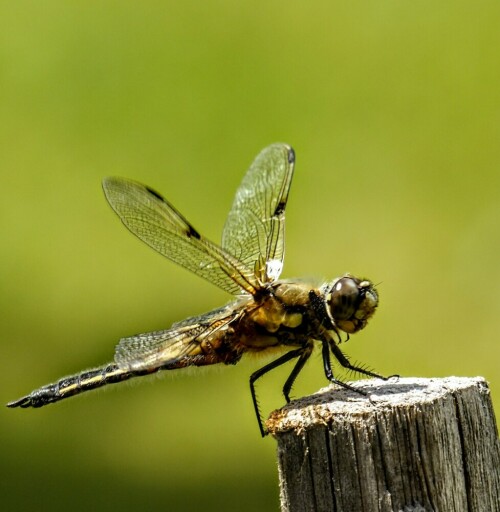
182, 341
157, 223
255, 227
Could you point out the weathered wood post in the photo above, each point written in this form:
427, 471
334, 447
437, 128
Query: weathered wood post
412, 445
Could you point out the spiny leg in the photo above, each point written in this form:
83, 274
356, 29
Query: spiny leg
327, 366
304, 356
262, 371
342, 359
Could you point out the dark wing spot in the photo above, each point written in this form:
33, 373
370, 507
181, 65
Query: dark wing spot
193, 233
154, 193
291, 156
279, 209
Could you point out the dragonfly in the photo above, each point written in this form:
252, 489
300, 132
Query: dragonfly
267, 315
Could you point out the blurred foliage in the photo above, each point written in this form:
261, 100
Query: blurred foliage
393, 109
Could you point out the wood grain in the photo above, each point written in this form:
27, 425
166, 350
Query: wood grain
410, 445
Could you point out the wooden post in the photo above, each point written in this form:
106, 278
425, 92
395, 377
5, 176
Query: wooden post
411, 445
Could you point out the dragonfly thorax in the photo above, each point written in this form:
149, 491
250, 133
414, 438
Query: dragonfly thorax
350, 302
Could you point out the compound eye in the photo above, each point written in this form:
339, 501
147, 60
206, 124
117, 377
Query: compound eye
344, 298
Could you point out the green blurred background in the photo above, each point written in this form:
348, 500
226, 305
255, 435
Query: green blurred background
393, 109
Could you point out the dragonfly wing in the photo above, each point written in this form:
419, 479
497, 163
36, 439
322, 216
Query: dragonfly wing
255, 227
157, 223
182, 341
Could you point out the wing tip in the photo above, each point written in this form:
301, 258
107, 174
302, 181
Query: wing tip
285, 148
109, 181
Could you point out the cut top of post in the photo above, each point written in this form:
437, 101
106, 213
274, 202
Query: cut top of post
410, 444
333, 401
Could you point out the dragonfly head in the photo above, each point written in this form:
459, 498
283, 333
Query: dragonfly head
350, 302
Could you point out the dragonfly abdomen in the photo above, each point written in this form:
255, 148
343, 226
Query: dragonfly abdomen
73, 385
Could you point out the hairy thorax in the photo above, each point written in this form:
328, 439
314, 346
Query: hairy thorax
275, 318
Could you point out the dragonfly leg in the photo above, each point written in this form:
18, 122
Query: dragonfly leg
327, 366
342, 359
304, 356
267, 368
